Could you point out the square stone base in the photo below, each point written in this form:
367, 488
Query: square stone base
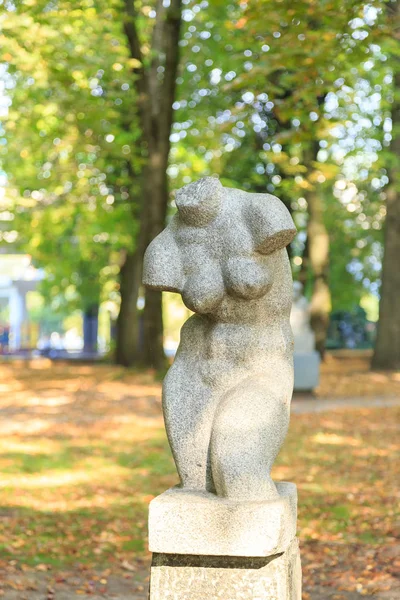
183, 521
191, 577
306, 371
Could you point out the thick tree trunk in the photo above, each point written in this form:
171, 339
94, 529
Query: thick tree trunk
166, 39
153, 347
318, 251
135, 345
147, 351
387, 348
155, 99
303, 273
127, 339
318, 261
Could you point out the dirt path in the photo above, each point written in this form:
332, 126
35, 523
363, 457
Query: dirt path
309, 404
40, 586
43, 587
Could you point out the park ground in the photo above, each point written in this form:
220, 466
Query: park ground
83, 451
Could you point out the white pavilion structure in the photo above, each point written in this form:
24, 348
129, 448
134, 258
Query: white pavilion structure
17, 277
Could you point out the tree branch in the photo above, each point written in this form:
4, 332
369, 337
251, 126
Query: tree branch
156, 58
170, 48
141, 76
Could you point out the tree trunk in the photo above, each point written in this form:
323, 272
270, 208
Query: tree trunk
127, 345
303, 273
148, 351
155, 98
318, 257
318, 248
90, 328
387, 348
153, 346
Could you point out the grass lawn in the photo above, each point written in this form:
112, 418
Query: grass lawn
83, 451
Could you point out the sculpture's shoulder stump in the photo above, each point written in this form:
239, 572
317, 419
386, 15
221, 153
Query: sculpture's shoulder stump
198, 523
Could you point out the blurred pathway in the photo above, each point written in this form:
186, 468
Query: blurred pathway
119, 588
310, 404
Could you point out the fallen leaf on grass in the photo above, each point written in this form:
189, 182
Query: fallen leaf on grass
127, 566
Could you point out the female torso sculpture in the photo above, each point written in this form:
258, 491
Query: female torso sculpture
226, 398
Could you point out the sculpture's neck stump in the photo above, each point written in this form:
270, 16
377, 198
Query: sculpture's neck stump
199, 203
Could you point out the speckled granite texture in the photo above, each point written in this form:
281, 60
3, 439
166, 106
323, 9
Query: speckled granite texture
177, 577
226, 398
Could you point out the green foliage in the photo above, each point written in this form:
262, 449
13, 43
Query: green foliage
284, 97
257, 94
71, 131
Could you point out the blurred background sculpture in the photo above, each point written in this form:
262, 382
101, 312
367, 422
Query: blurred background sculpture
306, 358
226, 399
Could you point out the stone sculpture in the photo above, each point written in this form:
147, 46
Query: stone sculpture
226, 398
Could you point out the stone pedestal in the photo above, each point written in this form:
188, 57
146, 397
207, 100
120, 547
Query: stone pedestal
306, 359
206, 547
306, 371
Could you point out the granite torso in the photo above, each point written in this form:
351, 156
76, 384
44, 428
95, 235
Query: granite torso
226, 398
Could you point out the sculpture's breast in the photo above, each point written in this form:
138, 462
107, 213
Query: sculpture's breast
162, 266
246, 278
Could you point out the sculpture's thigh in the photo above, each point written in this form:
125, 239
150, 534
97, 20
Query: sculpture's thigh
248, 431
189, 409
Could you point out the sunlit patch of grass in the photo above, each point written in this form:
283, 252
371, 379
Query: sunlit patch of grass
333, 439
31, 447
347, 490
